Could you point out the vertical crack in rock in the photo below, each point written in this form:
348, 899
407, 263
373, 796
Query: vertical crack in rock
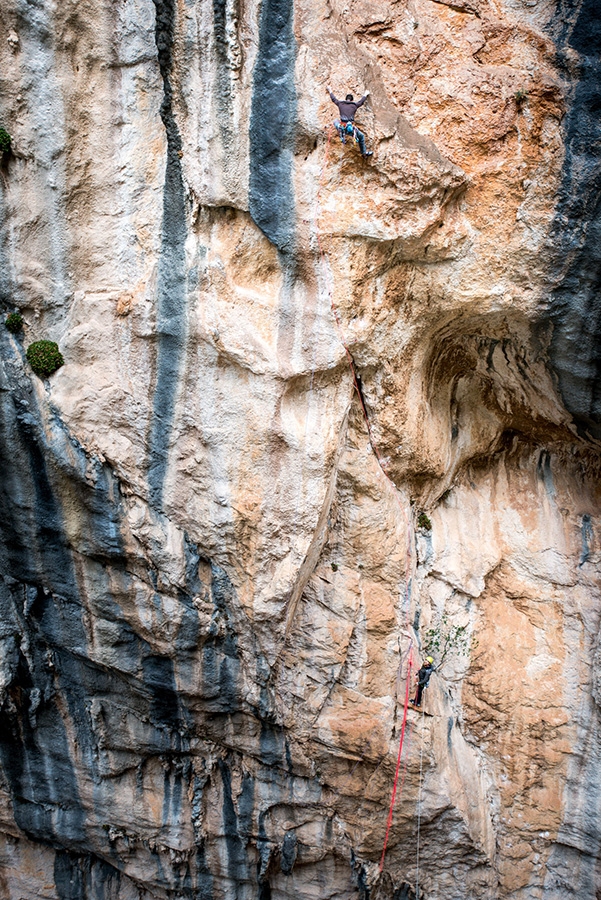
575, 304
171, 277
225, 23
272, 117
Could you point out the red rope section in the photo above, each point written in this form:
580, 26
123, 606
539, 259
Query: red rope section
398, 764
374, 446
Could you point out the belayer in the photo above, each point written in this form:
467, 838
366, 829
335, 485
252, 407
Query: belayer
423, 677
345, 125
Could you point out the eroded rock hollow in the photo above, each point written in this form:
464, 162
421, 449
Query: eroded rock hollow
317, 413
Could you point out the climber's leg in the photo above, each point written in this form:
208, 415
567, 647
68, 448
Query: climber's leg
360, 138
340, 130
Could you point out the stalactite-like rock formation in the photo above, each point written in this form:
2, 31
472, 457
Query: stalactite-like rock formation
213, 577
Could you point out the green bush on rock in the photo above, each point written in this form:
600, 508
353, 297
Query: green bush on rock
14, 322
423, 521
448, 638
5, 141
44, 357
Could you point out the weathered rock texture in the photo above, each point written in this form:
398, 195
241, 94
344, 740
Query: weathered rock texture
211, 583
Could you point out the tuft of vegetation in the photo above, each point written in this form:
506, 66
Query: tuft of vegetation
334, 567
424, 522
44, 357
520, 97
14, 322
447, 638
5, 141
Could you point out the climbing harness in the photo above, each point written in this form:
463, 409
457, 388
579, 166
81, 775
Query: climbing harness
406, 601
347, 128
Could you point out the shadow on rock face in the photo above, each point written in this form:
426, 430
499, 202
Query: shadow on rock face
575, 302
484, 383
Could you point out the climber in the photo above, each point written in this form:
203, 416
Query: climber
423, 677
345, 124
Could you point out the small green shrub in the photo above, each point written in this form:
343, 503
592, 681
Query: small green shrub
44, 357
14, 322
520, 97
5, 141
334, 567
448, 638
424, 522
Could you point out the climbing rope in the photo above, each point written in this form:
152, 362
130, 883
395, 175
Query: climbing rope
381, 465
419, 812
398, 762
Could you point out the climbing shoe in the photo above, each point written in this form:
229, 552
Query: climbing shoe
368, 153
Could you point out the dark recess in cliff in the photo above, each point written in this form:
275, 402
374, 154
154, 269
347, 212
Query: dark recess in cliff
273, 113
575, 302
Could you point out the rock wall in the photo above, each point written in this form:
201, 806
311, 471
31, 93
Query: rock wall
312, 407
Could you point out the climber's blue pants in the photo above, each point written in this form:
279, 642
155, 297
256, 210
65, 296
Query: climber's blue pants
359, 136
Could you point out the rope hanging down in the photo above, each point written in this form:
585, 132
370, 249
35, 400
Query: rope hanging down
382, 468
398, 762
419, 812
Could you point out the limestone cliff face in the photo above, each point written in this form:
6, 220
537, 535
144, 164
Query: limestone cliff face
215, 580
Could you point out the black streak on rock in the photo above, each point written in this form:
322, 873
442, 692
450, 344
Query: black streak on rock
220, 656
204, 878
171, 276
264, 849
246, 802
160, 680
575, 304
587, 537
289, 851
359, 875
236, 858
37, 764
85, 877
273, 113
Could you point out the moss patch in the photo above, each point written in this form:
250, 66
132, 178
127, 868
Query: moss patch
5, 141
14, 322
44, 357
